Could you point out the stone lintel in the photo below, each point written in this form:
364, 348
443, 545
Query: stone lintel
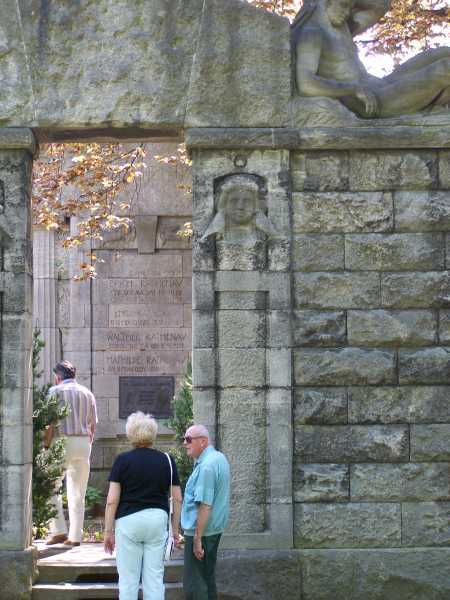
107, 134
18, 138
384, 135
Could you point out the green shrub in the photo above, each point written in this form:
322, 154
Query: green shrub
47, 463
93, 497
181, 420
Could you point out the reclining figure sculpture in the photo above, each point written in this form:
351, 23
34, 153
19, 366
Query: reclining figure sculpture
327, 62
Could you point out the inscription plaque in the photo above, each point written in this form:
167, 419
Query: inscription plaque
148, 394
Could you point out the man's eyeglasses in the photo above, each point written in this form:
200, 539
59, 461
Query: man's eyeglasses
187, 439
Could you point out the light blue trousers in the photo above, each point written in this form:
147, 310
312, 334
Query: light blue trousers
140, 541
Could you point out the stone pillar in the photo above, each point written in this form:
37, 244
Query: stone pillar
16, 557
45, 301
241, 334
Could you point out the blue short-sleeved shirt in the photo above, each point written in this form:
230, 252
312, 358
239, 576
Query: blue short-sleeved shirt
209, 484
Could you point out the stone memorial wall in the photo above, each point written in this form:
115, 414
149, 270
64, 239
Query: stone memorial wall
371, 363
353, 294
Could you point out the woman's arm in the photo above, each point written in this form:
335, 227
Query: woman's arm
177, 500
112, 502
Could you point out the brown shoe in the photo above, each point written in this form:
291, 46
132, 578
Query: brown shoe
70, 543
56, 539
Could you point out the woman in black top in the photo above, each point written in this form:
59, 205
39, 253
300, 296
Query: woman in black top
138, 503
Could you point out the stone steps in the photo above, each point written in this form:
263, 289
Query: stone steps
86, 572
81, 573
85, 591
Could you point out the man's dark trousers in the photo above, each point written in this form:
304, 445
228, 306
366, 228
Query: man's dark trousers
199, 578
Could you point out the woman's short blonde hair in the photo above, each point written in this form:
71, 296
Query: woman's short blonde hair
141, 429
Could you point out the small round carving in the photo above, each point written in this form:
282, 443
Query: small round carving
240, 161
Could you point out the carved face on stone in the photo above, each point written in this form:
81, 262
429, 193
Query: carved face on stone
338, 11
240, 205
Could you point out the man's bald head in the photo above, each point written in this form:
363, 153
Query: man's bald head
196, 439
198, 431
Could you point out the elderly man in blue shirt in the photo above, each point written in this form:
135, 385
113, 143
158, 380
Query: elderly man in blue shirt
204, 514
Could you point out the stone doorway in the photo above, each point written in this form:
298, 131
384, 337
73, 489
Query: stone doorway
128, 331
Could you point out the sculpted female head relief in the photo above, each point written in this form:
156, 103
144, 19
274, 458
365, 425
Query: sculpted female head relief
240, 216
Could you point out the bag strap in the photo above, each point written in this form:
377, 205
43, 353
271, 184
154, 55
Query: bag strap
170, 496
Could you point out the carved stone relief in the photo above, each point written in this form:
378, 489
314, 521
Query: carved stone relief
327, 63
240, 225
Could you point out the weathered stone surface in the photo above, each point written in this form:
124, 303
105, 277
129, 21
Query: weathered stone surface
15, 524
396, 328
430, 442
279, 367
203, 329
444, 326
259, 46
320, 406
321, 483
16, 95
402, 133
356, 525
145, 315
318, 252
17, 572
259, 574
238, 367
241, 300
242, 416
426, 524
279, 329
312, 328
342, 212
422, 211
394, 574
399, 483
160, 265
424, 365
415, 290
240, 257
351, 443
397, 251
444, 168
337, 290
241, 329
177, 55
135, 339
319, 171
134, 363
387, 170
170, 290
343, 366
409, 404
163, 186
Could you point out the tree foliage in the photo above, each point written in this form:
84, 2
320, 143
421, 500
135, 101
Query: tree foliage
87, 181
182, 419
409, 27
98, 184
47, 462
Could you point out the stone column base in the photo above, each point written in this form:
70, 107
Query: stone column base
17, 572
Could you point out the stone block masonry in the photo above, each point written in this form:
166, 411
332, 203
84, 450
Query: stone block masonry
371, 356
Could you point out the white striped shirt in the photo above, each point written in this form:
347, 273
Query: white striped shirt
82, 416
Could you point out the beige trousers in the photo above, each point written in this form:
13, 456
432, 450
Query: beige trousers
76, 471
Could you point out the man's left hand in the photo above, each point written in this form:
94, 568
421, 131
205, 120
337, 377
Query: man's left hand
199, 553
